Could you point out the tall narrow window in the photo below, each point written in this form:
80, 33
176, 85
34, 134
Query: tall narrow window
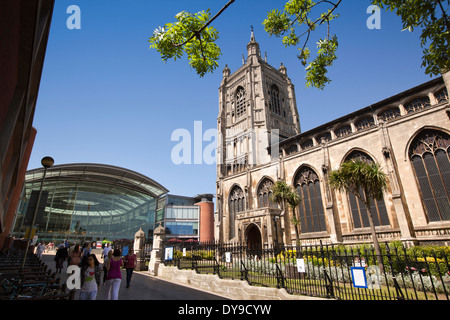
357, 207
240, 102
236, 204
429, 154
311, 211
275, 104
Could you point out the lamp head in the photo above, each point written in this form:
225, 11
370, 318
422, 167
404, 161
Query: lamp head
47, 162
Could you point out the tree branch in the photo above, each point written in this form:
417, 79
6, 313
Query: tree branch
447, 22
206, 25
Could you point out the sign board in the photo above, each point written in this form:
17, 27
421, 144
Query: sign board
228, 257
359, 277
168, 254
124, 251
301, 265
184, 252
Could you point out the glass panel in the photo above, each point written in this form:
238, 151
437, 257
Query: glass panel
314, 215
354, 210
320, 207
308, 220
437, 186
425, 188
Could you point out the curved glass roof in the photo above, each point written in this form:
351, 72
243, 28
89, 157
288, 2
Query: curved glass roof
105, 174
93, 200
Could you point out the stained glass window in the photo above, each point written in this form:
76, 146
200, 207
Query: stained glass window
311, 211
429, 154
236, 204
358, 208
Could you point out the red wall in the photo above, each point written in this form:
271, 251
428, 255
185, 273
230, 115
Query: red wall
206, 221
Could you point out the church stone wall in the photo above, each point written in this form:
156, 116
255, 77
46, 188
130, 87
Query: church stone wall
385, 140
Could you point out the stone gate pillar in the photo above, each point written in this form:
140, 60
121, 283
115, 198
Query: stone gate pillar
159, 236
139, 242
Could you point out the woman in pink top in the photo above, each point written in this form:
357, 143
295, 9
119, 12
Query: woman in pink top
114, 276
130, 264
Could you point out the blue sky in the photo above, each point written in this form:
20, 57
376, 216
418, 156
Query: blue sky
105, 97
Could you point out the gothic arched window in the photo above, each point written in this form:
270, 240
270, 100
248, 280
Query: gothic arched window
343, 131
357, 207
275, 105
307, 144
236, 204
364, 123
311, 212
240, 102
441, 95
417, 104
291, 149
429, 155
265, 194
324, 136
389, 114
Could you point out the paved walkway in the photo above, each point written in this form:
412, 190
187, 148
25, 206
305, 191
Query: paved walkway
143, 286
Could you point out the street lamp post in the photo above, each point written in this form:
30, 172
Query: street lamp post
46, 162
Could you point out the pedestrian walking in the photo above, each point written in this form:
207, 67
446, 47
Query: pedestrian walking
114, 276
75, 256
91, 273
105, 264
85, 252
40, 249
106, 250
130, 265
60, 256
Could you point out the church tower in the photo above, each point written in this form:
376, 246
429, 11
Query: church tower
257, 109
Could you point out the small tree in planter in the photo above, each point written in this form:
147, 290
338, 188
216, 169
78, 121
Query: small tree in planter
366, 181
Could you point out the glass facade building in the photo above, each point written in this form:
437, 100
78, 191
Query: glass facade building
91, 202
181, 218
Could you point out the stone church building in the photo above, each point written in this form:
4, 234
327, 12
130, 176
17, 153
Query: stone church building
260, 142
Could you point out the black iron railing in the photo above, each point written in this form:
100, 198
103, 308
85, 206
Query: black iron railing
329, 271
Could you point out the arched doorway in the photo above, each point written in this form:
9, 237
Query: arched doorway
253, 236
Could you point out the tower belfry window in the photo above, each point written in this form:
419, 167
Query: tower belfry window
240, 102
275, 105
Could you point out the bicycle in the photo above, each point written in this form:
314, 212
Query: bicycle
16, 289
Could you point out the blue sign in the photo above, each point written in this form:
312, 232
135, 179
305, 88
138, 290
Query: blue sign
359, 277
124, 251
